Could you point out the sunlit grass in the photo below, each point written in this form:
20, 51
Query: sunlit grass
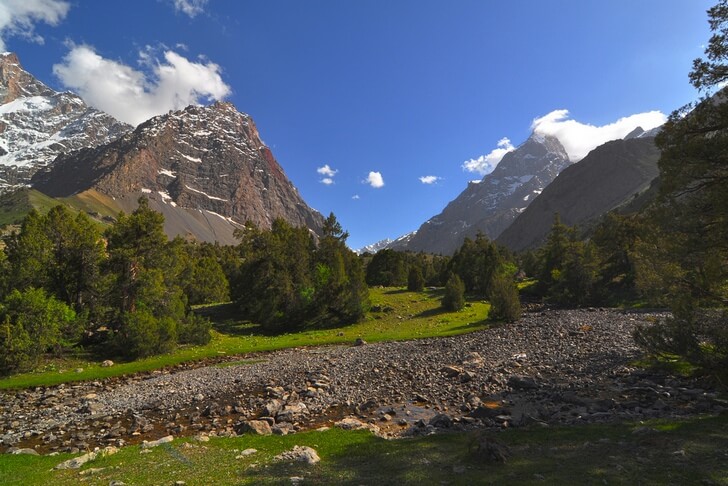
397, 315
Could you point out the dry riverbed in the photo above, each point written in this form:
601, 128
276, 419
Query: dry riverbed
551, 367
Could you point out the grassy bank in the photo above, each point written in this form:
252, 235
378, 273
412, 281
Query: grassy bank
661, 452
397, 315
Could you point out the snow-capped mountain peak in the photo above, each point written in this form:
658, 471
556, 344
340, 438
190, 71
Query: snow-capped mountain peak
37, 124
491, 205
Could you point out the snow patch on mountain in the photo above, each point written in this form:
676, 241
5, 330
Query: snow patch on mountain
37, 124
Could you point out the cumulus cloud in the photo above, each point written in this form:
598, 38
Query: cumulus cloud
327, 171
355, 197
192, 8
133, 95
430, 179
485, 164
18, 18
375, 180
579, 139
328, 174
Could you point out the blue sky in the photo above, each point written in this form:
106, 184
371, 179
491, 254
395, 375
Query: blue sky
401, 88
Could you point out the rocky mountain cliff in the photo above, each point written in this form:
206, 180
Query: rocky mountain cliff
611, 175
205, 168
492, 204
38, 123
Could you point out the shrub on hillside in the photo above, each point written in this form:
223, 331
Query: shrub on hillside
195, 329
144, 335
505, 304
33, 323
415, 281
454, 298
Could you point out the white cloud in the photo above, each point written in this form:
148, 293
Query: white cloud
429, 179
190, 7
375, 180
485, 164
579, 139
17, 17
134, 95
355, 197
327, 171
328, 174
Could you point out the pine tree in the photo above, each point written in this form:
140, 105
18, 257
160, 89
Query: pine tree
415, 280
454, 297
505, 304
691, 215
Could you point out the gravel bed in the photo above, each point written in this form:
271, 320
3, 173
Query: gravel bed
551, 367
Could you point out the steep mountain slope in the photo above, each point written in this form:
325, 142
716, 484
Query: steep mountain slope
493, 203
611, 175
205, 168
38, 123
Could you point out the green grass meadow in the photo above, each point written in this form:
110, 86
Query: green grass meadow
398, 315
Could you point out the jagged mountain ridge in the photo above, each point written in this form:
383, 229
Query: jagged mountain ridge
610, 176
37, 124
491, 205
206, 164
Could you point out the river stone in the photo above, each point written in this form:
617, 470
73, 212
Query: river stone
158, 442
522, 382
258, 427
300, 454
79, 461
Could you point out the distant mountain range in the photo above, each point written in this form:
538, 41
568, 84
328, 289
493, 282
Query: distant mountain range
205, 168
492, 204
208, 171
609, 177
515, 204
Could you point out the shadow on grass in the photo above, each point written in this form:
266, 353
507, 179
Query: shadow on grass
688, 451
396, 292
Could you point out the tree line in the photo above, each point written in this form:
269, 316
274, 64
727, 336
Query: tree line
128, 291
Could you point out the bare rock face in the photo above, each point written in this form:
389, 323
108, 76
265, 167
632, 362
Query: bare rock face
209, 160
37, 124
491, 205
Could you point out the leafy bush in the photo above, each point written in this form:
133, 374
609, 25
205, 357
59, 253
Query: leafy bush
701, 337
144, 335
33, 323
195, 329
454, 298
505, 304
415, 281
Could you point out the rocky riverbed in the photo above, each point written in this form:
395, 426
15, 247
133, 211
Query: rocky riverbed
551, 367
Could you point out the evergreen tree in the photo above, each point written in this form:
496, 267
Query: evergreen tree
476, 263
454, 297
690, 218
145, 299
33, 323
505, 304
415, 281
568, 268
59, 252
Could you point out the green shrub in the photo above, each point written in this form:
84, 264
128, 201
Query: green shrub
505, 304
33, 323
454, 298
415, 280
143, 335
195, 329
700, 336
